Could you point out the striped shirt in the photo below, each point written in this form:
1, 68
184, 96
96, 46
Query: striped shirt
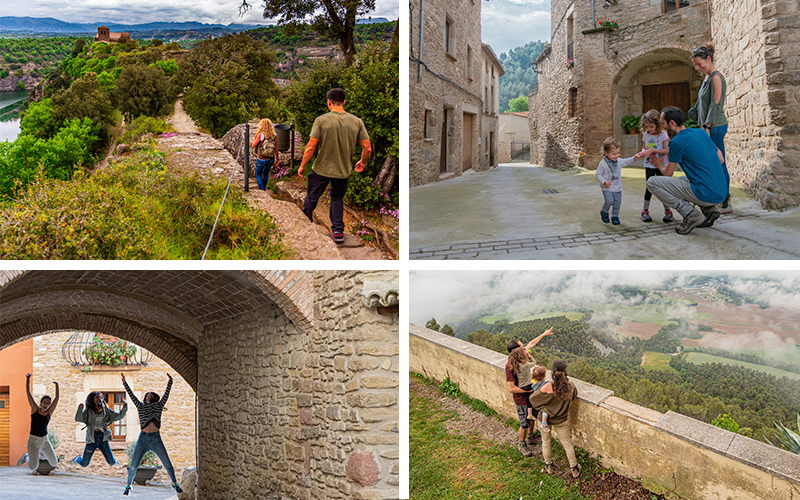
152, 412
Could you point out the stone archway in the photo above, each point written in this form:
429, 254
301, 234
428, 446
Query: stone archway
296, 373
667, 69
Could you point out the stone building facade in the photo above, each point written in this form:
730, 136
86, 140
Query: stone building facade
104, 34
513, 128
178, 424
453, 91
296, 373
646, 64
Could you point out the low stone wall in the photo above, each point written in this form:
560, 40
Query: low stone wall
669, 453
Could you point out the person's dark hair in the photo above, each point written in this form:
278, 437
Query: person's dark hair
336, 96
517, 358
513, 345
673, 114
704, 51
90, 402
45, 397
156, 397
560, 380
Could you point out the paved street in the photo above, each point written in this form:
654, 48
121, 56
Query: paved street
511, 212
18, 483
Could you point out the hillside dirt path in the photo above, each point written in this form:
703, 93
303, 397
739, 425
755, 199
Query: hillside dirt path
193, 150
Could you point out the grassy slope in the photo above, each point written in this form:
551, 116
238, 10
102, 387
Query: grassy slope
699, 357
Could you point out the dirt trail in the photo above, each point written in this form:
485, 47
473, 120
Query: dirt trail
193, 150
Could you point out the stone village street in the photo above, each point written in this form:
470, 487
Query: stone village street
503, 213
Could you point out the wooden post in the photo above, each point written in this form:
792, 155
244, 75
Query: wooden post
246, 140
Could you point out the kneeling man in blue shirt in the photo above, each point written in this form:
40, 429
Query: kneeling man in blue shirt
704, 185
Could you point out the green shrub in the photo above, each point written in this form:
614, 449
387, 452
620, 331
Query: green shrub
143, 90
142, 126
134, 210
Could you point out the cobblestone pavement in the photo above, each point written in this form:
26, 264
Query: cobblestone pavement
511, 213
18, 483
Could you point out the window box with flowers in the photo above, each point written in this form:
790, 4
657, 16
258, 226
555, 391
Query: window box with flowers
569, 63
105, 350
603, 25
581, 159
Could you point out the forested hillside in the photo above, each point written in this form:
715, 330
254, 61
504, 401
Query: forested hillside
519, 74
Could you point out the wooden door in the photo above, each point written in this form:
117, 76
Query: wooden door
466, 137
5, 425
659, 97
443, 156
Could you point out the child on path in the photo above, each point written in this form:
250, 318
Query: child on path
608, 173
97, 416
40, 417
655, 141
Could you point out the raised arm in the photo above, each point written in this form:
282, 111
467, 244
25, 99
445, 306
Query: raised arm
55, 401
164, 398
136, 402
31, 401
535, 341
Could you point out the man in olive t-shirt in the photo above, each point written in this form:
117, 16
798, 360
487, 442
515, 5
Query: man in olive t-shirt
336, 133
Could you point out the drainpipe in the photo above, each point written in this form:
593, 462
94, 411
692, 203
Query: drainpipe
593, 26
421, 27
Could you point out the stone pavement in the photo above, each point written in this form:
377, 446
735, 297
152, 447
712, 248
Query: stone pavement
18, 483
522, 211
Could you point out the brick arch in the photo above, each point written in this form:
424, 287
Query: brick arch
165, 312
623, 62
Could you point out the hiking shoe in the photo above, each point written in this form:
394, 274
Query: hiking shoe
691, 221
549, 468
338, 238
177, 488
646, 216
711, 214
575, 471
668, 216
524, 449
615, 221
22, 460
532, 439
127, 490
604, 217
545, 427
76, 460
726, 207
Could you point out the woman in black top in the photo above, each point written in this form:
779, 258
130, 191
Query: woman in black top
40, 417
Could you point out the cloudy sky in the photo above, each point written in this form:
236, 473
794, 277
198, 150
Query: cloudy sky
450, 295
508, 24
145, 11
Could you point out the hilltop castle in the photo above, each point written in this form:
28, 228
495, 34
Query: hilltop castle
104, 35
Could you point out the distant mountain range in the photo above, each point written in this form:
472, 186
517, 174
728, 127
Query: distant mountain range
49, 25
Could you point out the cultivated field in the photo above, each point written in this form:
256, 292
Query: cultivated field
700, 357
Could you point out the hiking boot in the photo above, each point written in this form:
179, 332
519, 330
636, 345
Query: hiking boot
532, 439
22, 460
646, 216
338, 238
549, 468
691, 221
615, 220
711, 214
668, 216
604, 217
726, 207
575, 471
524, 449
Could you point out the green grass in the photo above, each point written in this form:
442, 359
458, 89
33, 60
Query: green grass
699, 357
444, 466
571, 315
657, 361
788, 354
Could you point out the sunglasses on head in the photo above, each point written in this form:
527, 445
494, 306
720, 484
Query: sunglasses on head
701, 51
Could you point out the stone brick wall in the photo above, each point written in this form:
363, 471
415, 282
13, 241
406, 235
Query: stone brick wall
178, 420
758, 51
449, 86
669, 453
306, 414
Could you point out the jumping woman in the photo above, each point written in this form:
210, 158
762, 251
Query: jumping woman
40, 417
149, 438
97, 416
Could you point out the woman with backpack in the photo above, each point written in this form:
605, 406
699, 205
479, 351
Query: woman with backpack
264, 146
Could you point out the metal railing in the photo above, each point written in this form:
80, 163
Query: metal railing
73, 350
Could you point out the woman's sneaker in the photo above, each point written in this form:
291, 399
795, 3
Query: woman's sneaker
22, 460
646, 216
76, 460
177, 488
615, 221
604, 217
117, 465
127, 490
668, 216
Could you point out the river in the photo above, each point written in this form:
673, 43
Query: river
10, 105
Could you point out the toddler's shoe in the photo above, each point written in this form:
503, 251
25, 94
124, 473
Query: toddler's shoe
545, 427
646, 216
604, 217
668, 216
615, 221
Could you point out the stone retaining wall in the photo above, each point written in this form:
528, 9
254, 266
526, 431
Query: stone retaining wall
669, 453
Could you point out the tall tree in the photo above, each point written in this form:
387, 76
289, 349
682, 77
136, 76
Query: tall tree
335, 19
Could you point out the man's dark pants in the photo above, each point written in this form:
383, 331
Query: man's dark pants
316, 186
